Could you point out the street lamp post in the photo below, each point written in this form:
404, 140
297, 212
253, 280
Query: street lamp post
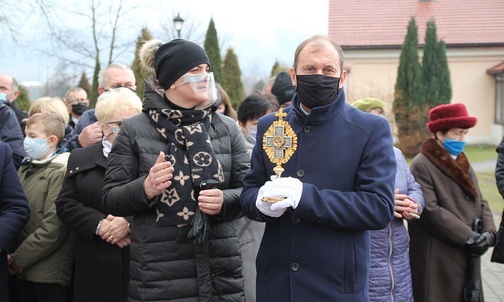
178, 22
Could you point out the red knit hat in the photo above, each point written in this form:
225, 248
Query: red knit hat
448, 116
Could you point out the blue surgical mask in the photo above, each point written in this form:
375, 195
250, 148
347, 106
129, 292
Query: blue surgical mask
35, 147
454, 147
3, 98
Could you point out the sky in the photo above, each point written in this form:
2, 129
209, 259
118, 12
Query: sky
259, 31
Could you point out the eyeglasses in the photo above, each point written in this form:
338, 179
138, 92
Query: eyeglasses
77, 101
118, 87
118, 123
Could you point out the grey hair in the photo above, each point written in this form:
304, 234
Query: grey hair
14, 83
103, 72
74, 89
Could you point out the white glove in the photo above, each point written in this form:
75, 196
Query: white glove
291, 188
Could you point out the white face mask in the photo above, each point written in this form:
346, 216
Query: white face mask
35, 148
251, 136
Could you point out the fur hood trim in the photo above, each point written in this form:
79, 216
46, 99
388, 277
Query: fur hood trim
458, 169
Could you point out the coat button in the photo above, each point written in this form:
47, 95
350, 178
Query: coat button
300, 173
306, 129
71, 171
295, 219
295, 267
214, 276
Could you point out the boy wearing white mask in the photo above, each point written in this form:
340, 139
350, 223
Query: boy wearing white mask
43, 260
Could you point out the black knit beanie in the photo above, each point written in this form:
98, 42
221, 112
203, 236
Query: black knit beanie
282, 88
175, 58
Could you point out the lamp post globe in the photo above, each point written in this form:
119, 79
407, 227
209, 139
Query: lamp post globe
178, 22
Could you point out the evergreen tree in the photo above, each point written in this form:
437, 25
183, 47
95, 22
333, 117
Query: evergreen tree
430, 72
93, 95
231, 81
429, 62
84, 83
23, 100
213, 51
275, 69
140, 73
259, 85
408, 96
445, 88
436, 75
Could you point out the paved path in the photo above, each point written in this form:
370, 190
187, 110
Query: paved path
492, 273
484, 166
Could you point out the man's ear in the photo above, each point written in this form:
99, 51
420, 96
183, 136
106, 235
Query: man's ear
292, 72
15, 94
342, 78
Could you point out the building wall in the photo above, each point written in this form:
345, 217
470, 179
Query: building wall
373, 73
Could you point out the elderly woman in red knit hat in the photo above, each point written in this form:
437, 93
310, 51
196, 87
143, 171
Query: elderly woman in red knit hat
444, 239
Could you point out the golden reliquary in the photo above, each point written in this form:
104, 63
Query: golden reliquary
279, 143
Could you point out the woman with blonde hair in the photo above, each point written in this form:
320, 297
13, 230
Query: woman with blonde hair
101, 249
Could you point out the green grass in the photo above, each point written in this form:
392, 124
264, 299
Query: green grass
489, 191
477, 153
488, 187
486, 180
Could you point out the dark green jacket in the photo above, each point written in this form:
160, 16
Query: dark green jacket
45, 248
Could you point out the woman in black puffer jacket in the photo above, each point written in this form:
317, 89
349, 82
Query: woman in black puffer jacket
183, 239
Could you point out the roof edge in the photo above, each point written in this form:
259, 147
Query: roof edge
381, 47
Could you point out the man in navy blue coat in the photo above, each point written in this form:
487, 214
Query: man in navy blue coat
337, 185
14, 211
11, 133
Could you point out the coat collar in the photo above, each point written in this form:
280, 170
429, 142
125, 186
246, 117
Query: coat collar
84, 159
458, 169
322, 113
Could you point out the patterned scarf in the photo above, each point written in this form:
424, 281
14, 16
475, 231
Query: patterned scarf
190, 152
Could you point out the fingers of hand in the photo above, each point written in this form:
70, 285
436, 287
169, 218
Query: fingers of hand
400, 196
413, 205
398, 215
124, 242
160, 176
211, 204
400, 208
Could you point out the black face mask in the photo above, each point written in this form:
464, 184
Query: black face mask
79, 109
317, 90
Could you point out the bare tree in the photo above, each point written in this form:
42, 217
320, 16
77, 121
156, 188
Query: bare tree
85, 33
11, 13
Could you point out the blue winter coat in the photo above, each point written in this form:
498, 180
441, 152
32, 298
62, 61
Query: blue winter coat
320, 251
390, 274
10, 133
14, 211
